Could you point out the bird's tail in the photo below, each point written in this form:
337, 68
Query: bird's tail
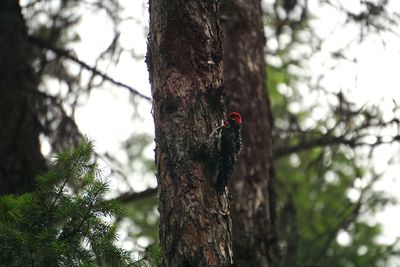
221, 182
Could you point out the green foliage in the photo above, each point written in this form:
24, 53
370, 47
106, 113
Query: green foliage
324, 182
325, 195
324, 190
144, 216
142, 213
315, 208
65, 221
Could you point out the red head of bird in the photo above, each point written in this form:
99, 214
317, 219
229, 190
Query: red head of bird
234, 119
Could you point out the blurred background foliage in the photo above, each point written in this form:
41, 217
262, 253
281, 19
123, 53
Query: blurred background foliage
326, 195
323, 146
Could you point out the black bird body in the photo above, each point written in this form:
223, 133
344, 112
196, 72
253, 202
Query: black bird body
229, 149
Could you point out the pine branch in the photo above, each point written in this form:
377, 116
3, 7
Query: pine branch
325, 141
58, 194
64, 53
351, 138
61, 227
67, 177
133, 196
322, 141
86, 216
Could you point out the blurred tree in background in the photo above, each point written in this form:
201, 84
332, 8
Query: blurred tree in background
323, 141
19, 137
252, 185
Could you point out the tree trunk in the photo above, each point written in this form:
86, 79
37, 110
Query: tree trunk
252, 184
186, 69
20, 156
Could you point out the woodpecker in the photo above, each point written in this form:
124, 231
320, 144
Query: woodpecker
228, 148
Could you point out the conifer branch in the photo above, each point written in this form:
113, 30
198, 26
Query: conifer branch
67, 177
59, 192
64, 53
86, 216
133, 196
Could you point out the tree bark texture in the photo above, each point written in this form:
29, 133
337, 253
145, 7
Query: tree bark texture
186, 75
20, 156
252, 183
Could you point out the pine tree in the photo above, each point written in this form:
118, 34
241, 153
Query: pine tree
65, 221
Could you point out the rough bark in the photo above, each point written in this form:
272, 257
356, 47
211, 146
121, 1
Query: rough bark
20, 155
186, 75
252, 184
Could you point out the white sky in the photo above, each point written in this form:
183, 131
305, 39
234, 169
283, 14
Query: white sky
107, 117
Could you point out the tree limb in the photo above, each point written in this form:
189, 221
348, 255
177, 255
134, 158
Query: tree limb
324, 141
132, 196
63, 53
